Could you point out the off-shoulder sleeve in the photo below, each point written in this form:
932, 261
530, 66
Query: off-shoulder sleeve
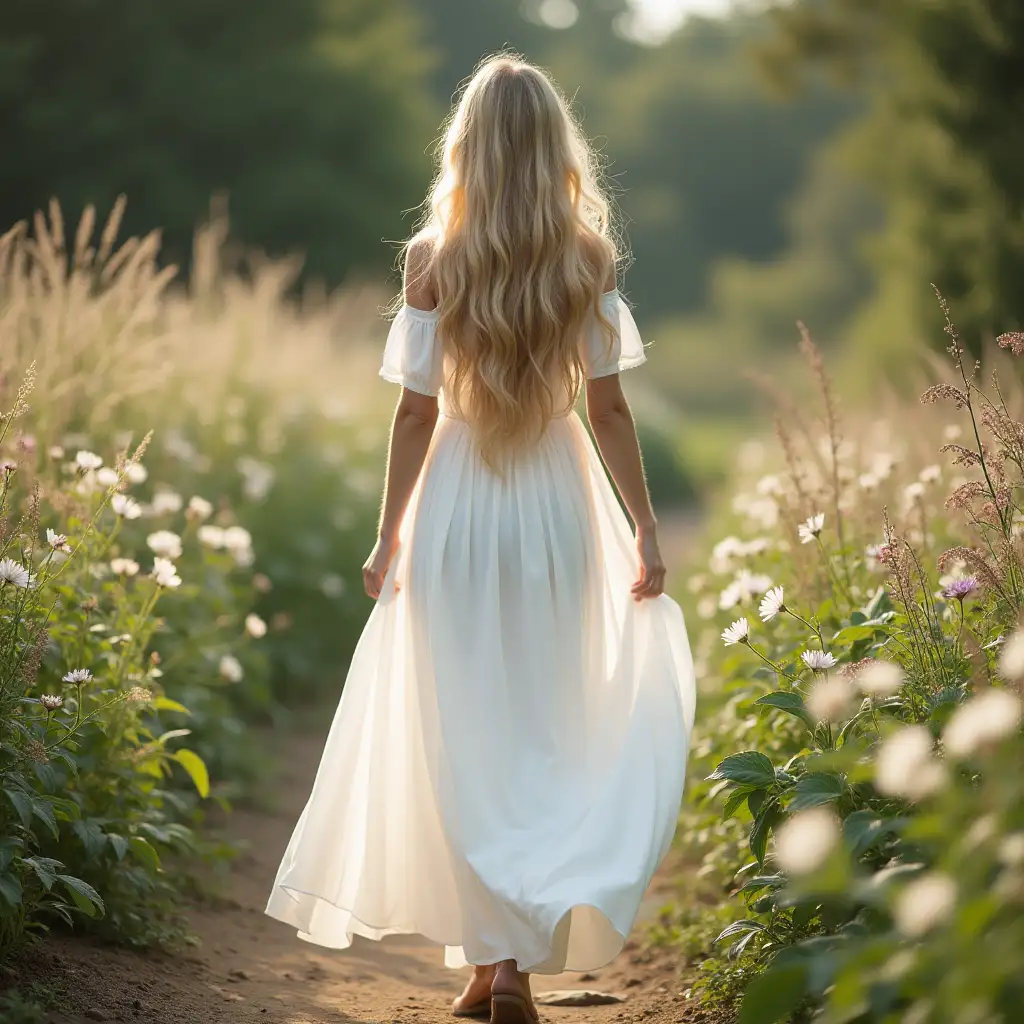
413, 355
625, 350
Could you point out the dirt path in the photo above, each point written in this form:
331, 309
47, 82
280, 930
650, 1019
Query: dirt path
249, 968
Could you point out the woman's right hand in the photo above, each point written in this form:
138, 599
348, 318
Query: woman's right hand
652, 569
376, 566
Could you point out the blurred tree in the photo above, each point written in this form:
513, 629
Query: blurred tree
943, 143
311, 115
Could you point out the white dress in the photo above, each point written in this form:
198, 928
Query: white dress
505, 767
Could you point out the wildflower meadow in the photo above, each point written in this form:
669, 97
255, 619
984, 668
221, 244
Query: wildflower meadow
858, 803
187, 479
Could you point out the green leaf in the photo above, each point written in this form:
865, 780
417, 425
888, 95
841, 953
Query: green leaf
862, 829
771, 996
145, 852
166, 704
815, 789
736, 798
22, 803
740, 928
44, 812
46, 869
172, 734
10, 888
749, 767
196, 768
789, 702
755, 801
86, 898
91, 836
119, 843
762, 827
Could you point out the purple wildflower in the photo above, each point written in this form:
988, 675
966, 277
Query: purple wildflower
959, 589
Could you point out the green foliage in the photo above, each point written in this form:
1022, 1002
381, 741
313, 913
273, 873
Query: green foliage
864, 755
312, 116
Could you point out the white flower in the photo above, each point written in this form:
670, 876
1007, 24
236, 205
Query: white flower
745, 586
88, 484
981, 832
952, 431
212, 536
905, 765
808, 531
14, 573
706, 607
868, 481
255, 626
237, 538
231, 668
830, 699
880, 678
107, 477
88, 460
258, 477
913, 492
925, 903
1011, 850
78, 675
930, 474
57, 541
882, 464
55, 452
723, 553
51, 701
199, 508
818, 660
771, 604
166, 501
1011, 658
804, 842
981, 722
136, 473
165, 543
124, 566
769, 485
737, 633
125, 506
165, 573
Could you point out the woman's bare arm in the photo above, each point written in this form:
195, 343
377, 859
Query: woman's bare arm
411, 430
611, 420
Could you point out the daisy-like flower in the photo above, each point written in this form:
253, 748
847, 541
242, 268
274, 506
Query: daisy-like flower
819, 661
164, 543
78, 675
982, 722
124, 506
165, 573
930, 474
959, 589
255, 626
1011, 657
804, 842
868, 481
830, 699
124, 566
51, 701
166, 501
57, 541
211, 536
199, 508
810, 530
55, 452
14, 573
771, 604
86, 460
231, 669
136, 473
906, 766
913, 492
107, 477
925, 903
237, 538
880, 678
737, 633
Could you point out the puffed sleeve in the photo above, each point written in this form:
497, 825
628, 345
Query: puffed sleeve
602, 357
413, 355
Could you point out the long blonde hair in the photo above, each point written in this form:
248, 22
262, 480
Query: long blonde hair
520, 252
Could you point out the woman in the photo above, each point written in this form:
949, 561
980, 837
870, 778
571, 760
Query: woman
505, 768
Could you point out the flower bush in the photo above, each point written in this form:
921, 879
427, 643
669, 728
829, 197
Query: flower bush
863, 801
156, 597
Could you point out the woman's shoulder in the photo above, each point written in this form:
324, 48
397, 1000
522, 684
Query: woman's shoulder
419, 283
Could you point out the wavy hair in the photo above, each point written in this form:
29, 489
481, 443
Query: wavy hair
520, 251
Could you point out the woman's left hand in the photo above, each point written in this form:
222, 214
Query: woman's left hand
376, 566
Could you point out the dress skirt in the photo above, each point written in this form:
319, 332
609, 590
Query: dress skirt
506, 764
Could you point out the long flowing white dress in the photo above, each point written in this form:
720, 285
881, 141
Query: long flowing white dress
505, 767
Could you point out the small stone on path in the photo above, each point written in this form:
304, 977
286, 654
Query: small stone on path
577, 997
